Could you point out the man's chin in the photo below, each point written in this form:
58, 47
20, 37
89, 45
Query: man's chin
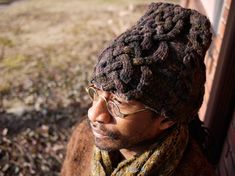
108, 146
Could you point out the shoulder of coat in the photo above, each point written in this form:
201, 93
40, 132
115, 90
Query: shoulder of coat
194, 162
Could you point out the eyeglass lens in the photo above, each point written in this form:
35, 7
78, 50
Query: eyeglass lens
111, 106
113, 109
92, 93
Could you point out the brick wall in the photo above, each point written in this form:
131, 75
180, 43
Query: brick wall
213, 53
226, 164
211, 58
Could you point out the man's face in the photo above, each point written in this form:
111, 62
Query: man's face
114, 133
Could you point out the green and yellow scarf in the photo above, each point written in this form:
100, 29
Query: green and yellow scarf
160, 160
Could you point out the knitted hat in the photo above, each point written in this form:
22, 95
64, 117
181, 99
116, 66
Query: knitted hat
159, 61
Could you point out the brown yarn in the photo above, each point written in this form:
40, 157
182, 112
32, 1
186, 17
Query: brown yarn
159, 61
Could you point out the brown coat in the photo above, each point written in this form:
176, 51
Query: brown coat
79, 154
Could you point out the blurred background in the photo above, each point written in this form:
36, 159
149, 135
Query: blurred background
47, 53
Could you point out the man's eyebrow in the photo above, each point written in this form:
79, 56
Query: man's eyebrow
119, 99
95, 87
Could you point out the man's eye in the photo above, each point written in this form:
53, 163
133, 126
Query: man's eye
122, 105
115, 100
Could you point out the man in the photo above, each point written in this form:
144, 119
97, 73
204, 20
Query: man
146, 90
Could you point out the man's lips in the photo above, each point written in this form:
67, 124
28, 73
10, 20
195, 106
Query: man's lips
99, 131
99, 134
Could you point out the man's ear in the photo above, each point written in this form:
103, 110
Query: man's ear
166, 123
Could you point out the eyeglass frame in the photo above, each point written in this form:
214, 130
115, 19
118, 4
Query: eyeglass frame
123, 115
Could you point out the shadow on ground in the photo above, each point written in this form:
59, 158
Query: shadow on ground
34, 143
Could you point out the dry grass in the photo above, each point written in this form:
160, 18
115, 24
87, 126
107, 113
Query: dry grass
58, 37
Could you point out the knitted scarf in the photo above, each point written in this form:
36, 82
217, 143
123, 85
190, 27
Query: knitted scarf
160, 159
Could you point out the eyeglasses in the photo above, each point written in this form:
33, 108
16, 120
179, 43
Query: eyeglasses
112, 107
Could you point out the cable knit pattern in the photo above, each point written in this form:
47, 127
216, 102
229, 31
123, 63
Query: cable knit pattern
164, 50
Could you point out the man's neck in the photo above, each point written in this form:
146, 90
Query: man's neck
141, 147
137, 150
127, 154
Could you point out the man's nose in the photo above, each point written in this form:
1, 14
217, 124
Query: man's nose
98, 112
